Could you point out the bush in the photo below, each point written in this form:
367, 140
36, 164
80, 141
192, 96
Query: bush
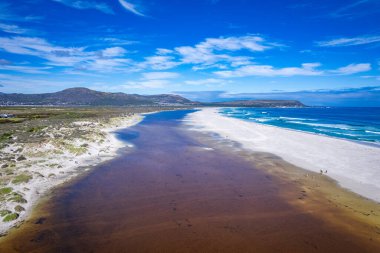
5, 136
10, 217
22, 178
36, 129
17, 198
19, 208
21, 158
5, 190
4, 212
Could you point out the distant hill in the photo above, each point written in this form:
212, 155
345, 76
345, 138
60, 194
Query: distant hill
260, 103
87, 97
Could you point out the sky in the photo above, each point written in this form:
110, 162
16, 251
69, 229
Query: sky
320, 52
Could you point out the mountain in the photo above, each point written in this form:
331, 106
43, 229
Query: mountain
87, 97
261, 103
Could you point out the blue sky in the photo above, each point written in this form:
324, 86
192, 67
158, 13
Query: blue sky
204, 49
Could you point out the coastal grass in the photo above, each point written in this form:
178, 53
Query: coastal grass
17, 198
76, 150
4, 212
22, 178
12, 120
36, 129
11, 217
19, 208
5, 136
5, 190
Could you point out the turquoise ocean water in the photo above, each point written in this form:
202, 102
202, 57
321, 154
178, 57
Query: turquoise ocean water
359, 124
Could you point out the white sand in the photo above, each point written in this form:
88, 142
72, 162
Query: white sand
353, 165
50, 168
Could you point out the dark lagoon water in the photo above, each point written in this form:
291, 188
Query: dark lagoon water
173, 193
359, 124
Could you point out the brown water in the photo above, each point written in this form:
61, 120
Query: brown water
170, 194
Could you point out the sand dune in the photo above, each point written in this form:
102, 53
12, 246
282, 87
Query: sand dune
52, 163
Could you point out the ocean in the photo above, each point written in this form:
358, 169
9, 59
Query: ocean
359, 124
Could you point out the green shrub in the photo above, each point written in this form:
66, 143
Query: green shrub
19, 208
75, 150
21, 158
5, 190
11, 120
36, 129
10, 217
17, 198
22, 178
5, 136
4, 212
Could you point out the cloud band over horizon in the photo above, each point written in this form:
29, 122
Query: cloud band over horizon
187, 45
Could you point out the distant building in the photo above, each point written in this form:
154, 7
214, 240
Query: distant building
6, 115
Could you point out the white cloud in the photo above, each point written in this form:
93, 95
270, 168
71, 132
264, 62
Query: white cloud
82, 5
207, 81
25, 69
160, 75
249, 42
353, 69
118, 41
211, 53
153, 84
237, 61
109, 59
12, 29
307, 69
204, 66
159, 62
368, 77
153, 80
345, 42
131, 7
114, 52
206, 52
202, 56
6, 65
106, 65
164, 51
222, 54
35, 47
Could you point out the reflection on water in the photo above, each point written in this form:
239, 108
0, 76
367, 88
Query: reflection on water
172, 194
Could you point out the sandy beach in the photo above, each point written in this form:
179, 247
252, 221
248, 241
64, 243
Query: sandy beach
353, 165
58, 159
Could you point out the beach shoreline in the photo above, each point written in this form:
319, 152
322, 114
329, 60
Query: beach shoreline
361, 142
187, 186
310, 191
334, 157
71, 159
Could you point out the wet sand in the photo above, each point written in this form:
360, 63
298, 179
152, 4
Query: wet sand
175, 194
